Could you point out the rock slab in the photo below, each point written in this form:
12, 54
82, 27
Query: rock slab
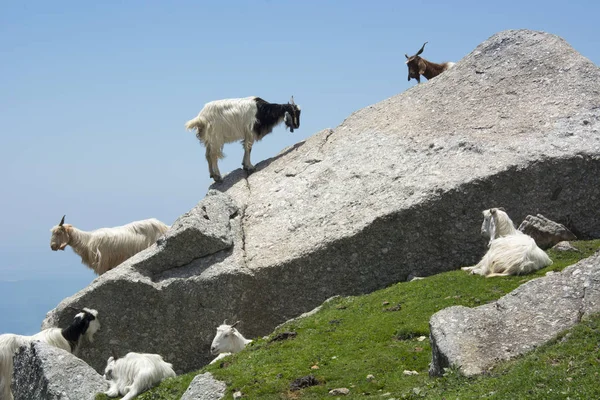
44, 372
397, 188
475, 339
205, 387
545, 232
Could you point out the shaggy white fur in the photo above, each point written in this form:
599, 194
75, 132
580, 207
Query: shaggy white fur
105, 248
81, 327
227, 340
510, 252
135, 373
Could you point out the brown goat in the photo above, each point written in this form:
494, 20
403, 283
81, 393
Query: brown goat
418, 66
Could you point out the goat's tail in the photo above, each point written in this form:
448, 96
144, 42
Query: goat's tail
196, 123
449, 65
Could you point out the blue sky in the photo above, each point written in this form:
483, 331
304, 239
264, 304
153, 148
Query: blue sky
94, 97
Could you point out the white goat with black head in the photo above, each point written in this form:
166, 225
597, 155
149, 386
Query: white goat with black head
135, 373
228, 340
510, 252
105, 248
246, 119
418, 66
85, 324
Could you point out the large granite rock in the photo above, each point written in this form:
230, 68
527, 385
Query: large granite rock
397, 188
545, 232
475, 339
44, 372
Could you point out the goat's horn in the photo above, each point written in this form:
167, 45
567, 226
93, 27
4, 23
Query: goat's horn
292, 100
422, 48
225, 322
493, 211
501, 209
62, 221
114, 353
233, 326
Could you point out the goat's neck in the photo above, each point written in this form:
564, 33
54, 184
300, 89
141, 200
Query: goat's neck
78, 240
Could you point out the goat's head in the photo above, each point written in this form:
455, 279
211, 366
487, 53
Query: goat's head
488, 227
292, 116
110, 365
87, 318
60, 236
227, 339
416, 65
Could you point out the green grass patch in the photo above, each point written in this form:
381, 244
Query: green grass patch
381, 334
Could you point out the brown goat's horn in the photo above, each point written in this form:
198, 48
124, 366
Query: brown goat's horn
422, 48
233, 326
62, 221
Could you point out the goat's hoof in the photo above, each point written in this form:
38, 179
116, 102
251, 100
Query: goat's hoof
217, 178
250, 169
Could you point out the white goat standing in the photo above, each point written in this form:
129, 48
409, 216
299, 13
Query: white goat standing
510, 252
105, 248
227, 341
135, 373
246, 119
85, 324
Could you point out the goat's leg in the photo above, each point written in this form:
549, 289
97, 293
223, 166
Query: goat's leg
212, 157
246, 163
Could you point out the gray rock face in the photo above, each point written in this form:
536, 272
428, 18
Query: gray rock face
205, 387
397, 188
44, 372
476, 338
545, 232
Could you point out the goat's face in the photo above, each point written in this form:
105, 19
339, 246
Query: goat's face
90, 317
292, 117
110, 366
488, 227
224, 340
416, 65
60, 237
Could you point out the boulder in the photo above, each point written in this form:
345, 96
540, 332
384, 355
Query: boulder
205, 387
545, 232
397, 188
44, 372
475, 339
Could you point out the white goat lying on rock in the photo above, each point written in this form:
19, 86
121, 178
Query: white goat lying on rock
227, 341
135, 373
105, 248
85, 324
510, 251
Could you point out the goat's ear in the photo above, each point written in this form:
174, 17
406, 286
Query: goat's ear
62, 221
406, 55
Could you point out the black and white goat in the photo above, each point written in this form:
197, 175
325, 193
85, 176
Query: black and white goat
246, 119
418, 66
135, 373
85, 324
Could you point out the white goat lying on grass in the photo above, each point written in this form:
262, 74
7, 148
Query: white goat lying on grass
227, 341
510, 251
105, 248
135, 373
85, 324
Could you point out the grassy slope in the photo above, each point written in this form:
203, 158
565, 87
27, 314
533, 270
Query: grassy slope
378, 334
